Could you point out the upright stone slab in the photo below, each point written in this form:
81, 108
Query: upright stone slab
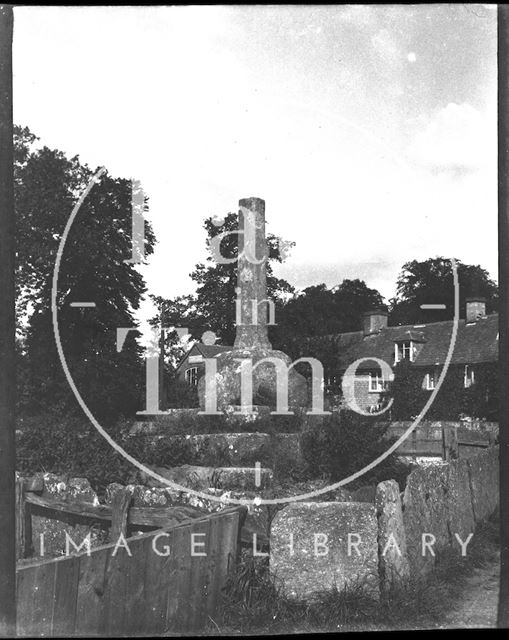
426, 516
459, 500
251, 341
392, 547
312, 547
484, 483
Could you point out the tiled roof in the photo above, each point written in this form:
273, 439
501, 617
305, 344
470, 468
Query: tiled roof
206, 350
211, 350
475, 343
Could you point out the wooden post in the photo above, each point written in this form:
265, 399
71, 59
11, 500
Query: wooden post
24, 547
7, 336
120, 503
503, 305
20, 520
445, 442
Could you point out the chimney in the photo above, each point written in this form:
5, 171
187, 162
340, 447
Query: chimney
374, 321
476, 308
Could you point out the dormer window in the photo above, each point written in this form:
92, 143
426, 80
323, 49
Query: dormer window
404, 350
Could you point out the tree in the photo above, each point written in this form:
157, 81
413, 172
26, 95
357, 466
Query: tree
319, 311
431, 282
94, 268
212, 307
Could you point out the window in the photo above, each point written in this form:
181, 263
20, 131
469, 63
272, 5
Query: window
376, 382
469, 377
404, 350
431, 379
191, 376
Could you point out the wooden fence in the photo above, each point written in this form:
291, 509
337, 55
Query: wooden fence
443, 440
168, 581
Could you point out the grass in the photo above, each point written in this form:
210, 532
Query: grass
254, 602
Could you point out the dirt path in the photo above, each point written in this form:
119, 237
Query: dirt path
477, 603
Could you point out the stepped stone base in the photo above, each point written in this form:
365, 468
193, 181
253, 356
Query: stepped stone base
202, 478
223, 449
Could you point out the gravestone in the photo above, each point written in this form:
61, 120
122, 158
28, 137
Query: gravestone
252, 342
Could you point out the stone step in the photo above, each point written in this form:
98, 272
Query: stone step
203, 478
217, 449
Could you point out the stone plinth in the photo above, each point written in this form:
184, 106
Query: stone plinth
310, 550
228, 380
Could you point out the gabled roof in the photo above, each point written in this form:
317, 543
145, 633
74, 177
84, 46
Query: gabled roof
205, 350
476, 342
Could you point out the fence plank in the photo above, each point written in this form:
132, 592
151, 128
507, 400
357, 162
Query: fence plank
136, 603
35, 599
115, 592
178, 595
199, 577
86, 513
90, 601
161, 577
66, 596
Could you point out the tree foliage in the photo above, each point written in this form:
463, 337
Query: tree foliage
431, 282
94, 268
320, 311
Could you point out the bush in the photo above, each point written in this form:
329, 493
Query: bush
344, 443
63, 443
181, 395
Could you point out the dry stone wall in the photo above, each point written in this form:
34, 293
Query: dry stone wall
402, 534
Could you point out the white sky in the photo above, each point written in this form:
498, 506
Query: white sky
369, 131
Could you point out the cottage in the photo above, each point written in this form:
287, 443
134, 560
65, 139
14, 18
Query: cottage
424, 345
192, 366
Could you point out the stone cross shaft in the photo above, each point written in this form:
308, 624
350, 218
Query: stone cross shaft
252, 303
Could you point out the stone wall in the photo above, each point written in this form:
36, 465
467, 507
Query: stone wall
400, 535
49, 535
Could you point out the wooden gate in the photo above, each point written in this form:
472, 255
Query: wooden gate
169, 580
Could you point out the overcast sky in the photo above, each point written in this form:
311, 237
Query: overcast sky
369, 131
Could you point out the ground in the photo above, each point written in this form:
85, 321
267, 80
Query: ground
477, 603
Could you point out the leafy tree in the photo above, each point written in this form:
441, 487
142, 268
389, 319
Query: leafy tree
431, 282
94, 268
319, 311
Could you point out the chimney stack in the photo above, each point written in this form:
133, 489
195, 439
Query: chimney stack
476, 308
374, 321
